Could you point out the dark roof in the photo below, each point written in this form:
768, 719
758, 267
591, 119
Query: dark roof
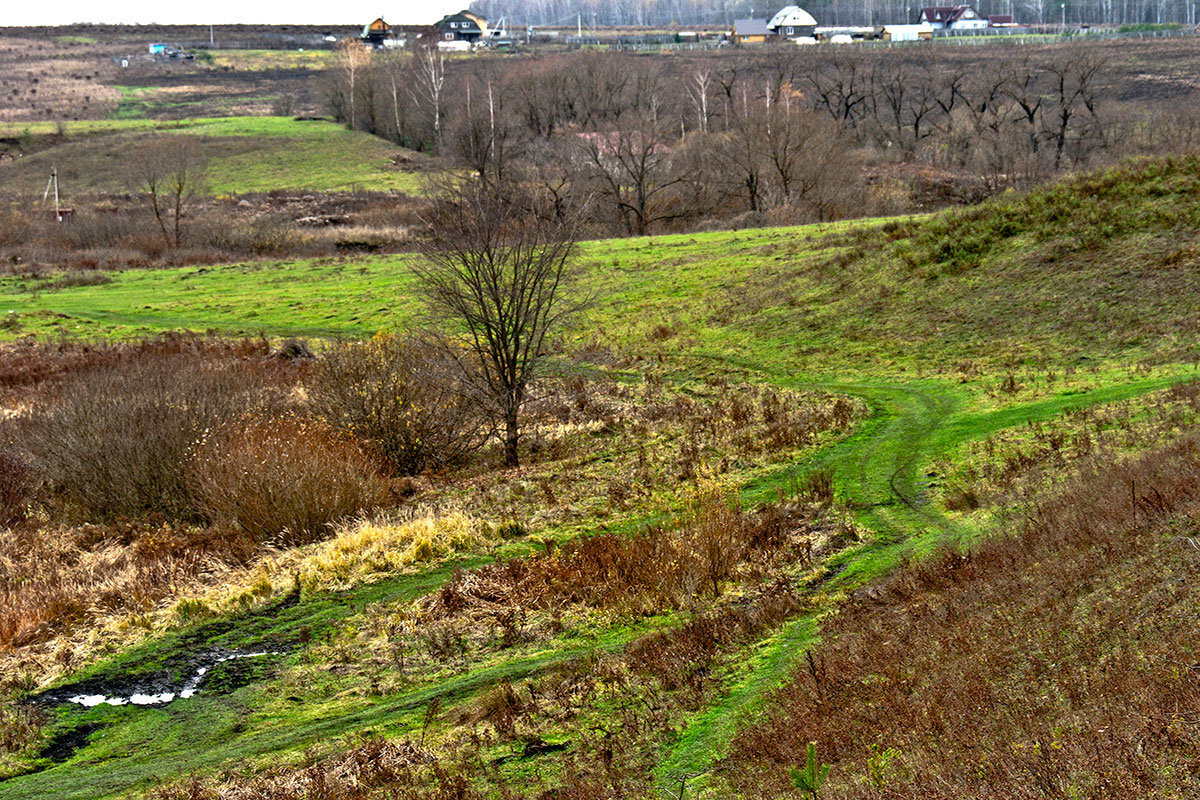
751, 27
463, 16
943, 14
1001, 19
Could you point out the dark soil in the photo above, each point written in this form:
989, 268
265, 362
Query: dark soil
65, 743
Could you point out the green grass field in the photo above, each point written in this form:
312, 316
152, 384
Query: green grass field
1083, 294
245, 154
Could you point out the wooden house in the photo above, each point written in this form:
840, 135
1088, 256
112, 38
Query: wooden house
750, 31
462, 27
376, 33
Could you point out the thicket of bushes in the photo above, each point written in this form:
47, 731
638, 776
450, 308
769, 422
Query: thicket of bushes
403, 397
181, 429
272, 443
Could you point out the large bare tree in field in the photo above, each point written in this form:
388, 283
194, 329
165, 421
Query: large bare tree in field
169, 172
501, 276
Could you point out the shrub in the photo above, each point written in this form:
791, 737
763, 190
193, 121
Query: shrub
285, 479
403, 397
113, 436
16, 486
114, 441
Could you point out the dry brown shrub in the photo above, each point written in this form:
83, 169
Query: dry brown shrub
20, 726
282, 479
16, 487
355, 774
403, 397
114, 437
661, 568
53, 578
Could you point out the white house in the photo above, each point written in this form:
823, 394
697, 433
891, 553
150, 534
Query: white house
792, 21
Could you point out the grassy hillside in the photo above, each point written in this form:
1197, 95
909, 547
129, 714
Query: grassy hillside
245, 154
1095, 268
1053, 318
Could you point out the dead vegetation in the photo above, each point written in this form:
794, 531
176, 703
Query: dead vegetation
1053, 662
623, 703
111, 230
681, 564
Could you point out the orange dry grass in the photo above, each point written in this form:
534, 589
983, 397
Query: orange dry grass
54, 580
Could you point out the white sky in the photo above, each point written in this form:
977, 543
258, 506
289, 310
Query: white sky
169, 12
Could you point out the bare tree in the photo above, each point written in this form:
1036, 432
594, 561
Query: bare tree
698, 88
631, 168
429, 71
351, 58
169, 173
484, 136
1074, 85
500, 275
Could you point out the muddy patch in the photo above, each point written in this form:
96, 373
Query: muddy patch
215, 673
201, 660
65, 744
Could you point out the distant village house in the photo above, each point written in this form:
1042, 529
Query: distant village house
462, 27
792, 21
376, 33
956, 18
750, 31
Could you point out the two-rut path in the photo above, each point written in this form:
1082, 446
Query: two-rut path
876, 471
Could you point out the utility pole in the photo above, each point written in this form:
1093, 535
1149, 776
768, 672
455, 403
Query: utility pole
210, 35
53, 183
1063, 6
579, 25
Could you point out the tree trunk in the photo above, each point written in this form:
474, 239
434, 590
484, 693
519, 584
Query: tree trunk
511, 437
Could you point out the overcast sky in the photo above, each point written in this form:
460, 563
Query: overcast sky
306, 12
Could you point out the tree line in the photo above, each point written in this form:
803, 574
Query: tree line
664, 13
635, 145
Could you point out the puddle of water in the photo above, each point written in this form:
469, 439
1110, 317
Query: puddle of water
187, 690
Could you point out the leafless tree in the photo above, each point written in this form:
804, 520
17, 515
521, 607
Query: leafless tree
1073, 83
351, 58
698, 88
429, 76
169, 172
484, 135
631, 169
501, 276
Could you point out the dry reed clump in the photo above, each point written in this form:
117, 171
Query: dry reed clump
1049, 663
404, 398
285, 480
367, 549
